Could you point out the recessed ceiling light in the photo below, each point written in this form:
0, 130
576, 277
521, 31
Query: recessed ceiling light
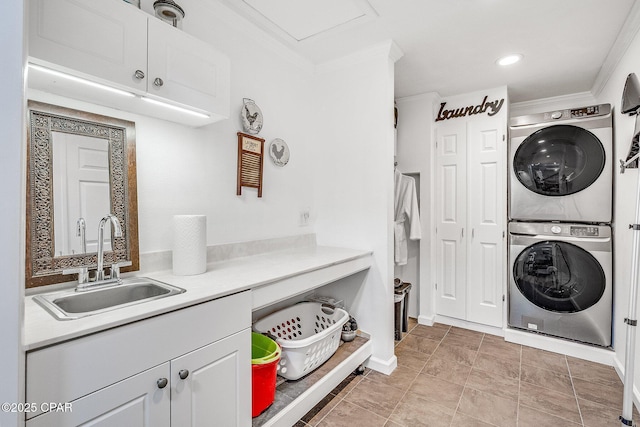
509, 59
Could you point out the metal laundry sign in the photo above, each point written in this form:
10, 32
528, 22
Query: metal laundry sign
491, 108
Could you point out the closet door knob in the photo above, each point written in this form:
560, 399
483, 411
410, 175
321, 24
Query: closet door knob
162, 382
158, 82
139, 74
183, 374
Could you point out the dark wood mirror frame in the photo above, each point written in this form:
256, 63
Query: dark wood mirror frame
42, 266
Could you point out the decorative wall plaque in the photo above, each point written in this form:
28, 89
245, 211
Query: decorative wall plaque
490, 107
279, 152
250, 161
251, 116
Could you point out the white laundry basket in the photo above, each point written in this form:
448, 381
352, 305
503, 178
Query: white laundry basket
308, 332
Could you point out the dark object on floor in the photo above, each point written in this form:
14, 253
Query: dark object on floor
401, 298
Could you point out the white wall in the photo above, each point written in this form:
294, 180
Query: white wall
625, 187
12, 212
354, 180
339, 127
184, 170
203, 161
413, 154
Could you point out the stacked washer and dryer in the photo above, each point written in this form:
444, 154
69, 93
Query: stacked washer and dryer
560, 249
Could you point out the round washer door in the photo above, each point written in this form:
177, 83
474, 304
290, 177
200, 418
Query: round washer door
559, 160
559, 276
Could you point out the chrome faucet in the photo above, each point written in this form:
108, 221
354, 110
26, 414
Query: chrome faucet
116, 232
85, 281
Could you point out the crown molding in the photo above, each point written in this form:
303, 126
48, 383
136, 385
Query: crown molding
626, 35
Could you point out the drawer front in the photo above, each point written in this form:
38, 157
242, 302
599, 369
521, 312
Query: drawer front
65, 372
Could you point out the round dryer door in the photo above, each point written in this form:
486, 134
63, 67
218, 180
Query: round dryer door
559, 276
559, 160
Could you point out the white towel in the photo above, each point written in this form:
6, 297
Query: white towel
406, 210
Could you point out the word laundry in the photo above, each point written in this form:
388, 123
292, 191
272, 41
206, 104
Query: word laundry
492, 108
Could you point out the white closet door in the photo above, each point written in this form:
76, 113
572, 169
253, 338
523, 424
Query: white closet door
486, 213
451, 215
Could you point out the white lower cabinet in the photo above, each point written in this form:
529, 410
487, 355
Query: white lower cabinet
190, 367
214, 388
135, 402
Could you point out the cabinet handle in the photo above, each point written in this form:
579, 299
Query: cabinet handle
162, 382
158, 82
183, 374
139, 74
462, 234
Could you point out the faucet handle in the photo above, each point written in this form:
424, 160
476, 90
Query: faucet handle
115, 268
83, 274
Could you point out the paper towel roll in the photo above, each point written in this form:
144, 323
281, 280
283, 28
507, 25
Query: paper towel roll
189, 244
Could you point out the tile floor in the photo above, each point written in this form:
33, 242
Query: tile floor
448, 376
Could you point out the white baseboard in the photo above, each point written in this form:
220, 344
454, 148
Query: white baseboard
605, 356
383, 366
491, 330
426, 320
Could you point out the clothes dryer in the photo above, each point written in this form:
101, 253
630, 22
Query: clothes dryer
560, 280
561, 165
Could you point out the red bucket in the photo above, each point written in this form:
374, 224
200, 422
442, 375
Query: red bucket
265, 355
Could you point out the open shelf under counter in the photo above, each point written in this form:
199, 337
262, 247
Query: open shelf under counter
295, 398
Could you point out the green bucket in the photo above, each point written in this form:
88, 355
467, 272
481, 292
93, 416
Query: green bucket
263, 349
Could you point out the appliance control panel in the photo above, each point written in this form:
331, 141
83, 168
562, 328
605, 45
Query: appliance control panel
585, 231
588, 112
557, 229
593, 110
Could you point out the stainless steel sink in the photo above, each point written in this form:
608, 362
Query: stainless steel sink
72, 304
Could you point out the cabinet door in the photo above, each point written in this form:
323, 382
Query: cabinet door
187, 70
486, 150
105, 39
216, 388
451, 216
134, 402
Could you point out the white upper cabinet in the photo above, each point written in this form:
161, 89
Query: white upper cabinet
102, 40
113, 43
186, 70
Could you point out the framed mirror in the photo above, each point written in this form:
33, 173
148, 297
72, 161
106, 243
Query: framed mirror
80, 167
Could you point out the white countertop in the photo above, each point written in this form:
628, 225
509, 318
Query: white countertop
220, 279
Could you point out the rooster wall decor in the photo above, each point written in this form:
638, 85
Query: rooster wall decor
251, 116
279, 152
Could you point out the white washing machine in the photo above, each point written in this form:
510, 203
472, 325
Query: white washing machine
561, 165
560, 280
